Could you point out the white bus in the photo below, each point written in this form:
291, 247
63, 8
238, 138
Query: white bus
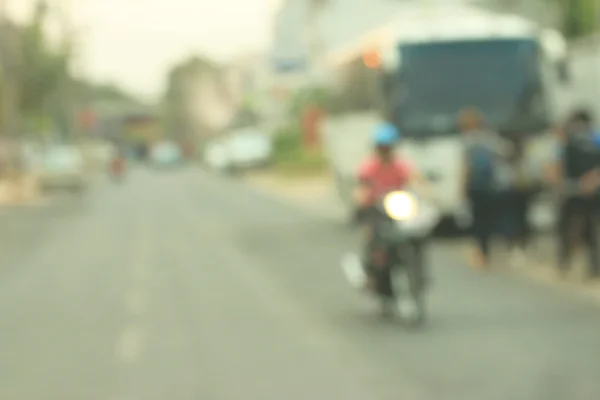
436, 61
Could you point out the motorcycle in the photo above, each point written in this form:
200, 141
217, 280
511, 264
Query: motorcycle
401, 224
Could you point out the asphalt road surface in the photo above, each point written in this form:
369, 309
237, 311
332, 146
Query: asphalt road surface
181, 285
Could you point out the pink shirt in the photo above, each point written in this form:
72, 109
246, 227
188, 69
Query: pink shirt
384, 177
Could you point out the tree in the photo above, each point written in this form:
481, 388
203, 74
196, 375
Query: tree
580, 17
40, 69
104, 92
44, 71
10, 57
31, 74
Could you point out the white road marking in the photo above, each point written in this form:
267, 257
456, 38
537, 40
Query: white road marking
135, 301
131, 344
140, 258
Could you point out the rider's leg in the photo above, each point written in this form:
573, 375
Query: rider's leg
482, 226
367, 256
421, 259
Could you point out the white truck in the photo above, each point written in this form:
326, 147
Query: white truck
435, 60
584, 57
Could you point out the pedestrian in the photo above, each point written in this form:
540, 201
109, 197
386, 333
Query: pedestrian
515, 199
578, 170
482, 149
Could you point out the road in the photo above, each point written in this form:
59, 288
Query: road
181, 285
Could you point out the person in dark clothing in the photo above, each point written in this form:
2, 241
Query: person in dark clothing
482, 148
577, 217
579, 180
483, 224
515, 199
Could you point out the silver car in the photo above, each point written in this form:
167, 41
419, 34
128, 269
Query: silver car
63, 168
242, 149
166, 154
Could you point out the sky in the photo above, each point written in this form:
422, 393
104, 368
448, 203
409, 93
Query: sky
134, 42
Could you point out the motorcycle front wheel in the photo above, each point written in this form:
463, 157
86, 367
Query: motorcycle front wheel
417, 295
413, 269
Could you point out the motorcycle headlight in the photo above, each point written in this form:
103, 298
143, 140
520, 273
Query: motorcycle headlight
400, 205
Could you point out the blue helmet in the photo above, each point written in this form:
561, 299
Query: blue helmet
386, 134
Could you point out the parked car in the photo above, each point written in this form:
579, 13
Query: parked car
63, 168
32, 155
166, 154
216, 155
242, 149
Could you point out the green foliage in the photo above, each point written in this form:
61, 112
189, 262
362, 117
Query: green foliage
47, 91
302, 164
43, 69
287, 140
290, 157
108, 92
580, 17
307, 97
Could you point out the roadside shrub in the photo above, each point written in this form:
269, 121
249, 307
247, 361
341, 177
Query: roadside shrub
287, 141
290, 157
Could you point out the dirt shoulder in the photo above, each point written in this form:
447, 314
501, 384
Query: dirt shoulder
543, 267
18, 192
312, 192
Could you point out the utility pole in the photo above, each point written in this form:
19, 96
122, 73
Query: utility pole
314, 37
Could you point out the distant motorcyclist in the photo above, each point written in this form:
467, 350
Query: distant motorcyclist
118, 163
380, 174
383, 171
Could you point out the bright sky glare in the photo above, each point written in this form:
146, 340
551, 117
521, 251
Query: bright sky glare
134, 42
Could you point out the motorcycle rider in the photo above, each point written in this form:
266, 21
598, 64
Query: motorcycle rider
117, 166
380, 174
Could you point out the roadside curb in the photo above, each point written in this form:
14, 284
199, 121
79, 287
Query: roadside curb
543, 268
540, 269
547, 275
